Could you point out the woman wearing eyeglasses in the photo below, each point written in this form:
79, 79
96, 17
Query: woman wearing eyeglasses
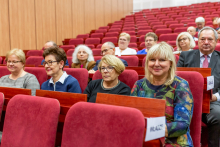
184, 42
110, 67
60, 81
18, 78
83, 58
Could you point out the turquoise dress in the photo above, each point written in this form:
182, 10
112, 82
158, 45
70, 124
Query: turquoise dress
179, 107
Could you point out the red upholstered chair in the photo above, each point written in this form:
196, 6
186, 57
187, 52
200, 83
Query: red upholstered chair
67, 47
85, 125
159, 27
4, 71
217, 48
144, 27
2, 99
39, 72
142, 38
35, 53
132, 45
91, 46
92, 41
97, 35
128, 29
111, 34
114, 30
30, 121
132, 74
116, 26
81, 74
142, 45
104, 27
34, 60
131, 33
97, 58
131, 60
163, 31
177, 58
179, 30
70, 52
168, 23
82, 36
173, 26
172, 43
76, 41
99, 46
168, 37
111, 39
191, 24
1, 60
70, 60
143, 32
96, 52
101, 31
194, 79
133, 39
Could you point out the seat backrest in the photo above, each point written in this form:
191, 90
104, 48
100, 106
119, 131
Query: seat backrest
2, 99
131, 33
97, 58
97, 35
132, 45
76, 41
142, 38
34, 60
168, 37
30, 121
39, 72
67, 46
163, 31
70, 60
111, 39
35, 53
83, 128
96, 52
0, 60
82, 36
4, 71
101, 31
131, 60
132, 74
143, 32
133, 39
70, 52
81, 74
194, 79
111, 34
92, 41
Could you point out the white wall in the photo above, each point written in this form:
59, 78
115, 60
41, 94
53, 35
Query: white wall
149, 4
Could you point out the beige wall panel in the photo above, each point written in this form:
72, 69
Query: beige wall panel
4, 28
45, 22
64, 20
90, 15
120, 9
130, 6
125, 7
115, 10
22, 24
107, 11
99, 14
78, 15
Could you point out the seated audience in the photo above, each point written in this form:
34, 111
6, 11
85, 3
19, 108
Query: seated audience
192, 31
150, 40
18, 78
83, 58
184, 42
110, 67
162, 83
50, 44
60, 81
200, 23
123, 49
108, 48
215, 24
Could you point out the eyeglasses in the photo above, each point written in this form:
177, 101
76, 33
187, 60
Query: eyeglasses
49, 63
105, 50
149, 40
13, 62
184, 39
108, 68
203, 40
122, 39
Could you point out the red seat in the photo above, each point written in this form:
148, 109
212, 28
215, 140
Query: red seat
180, 18
163, 31
67, 47
131, 60
143, 32
133, 39
179, 30
82, 36
173, 26
91, 46
168, 37
39, 72
97, 35
144, 27
101, 31
85, 125
111, 34
156, 23
142, 45
97, 58
114, 30
142, 38
4, 71
194, 79
111, 39
191, 24
172, 43
30, 121
34, 60
128, 29
96, 52
104, 27
76, 41
131, 33
168, 23
1, 60
35, 53
70, 52
2, 99
159, 27
132, 45
116, 26
99, 46
92, 41
81, 74
70, 61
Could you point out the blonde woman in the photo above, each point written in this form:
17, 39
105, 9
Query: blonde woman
160, 82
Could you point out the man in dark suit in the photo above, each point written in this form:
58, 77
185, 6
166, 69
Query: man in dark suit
205, 57
108, 48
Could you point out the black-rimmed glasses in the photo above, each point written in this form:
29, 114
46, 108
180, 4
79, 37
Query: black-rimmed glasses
49, 63
108, 68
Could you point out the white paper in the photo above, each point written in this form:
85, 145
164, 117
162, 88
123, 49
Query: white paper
155, 128
210, 82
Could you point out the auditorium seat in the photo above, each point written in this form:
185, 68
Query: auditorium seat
168, 37
67, 47
101, 31
142, 38
179, 30
76, 41
111, 39
131, 33
92, 41
158, 27
70, 61
173, 26
114, 30
143, 32
97, 35
96, 52
34, 60
70, 52
39, 72
132, 74
144, 27
132, 45
111, 34
133, 39
163, 31
81, 74
131, 60
84, 36
30, 121
35, 53
2, 99
168, 23
97, 58
91, 46
85, 125
104, 27
128, 29
1, 60
172, 43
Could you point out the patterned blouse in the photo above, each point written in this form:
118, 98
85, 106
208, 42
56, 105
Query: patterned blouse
179, 107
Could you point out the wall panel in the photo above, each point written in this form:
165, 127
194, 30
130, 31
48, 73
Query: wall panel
22, 24
107, 11
120, 9
64, 20
45, 22
78, 15
89, 15
99, 14
114, 10
130, 6
4, 28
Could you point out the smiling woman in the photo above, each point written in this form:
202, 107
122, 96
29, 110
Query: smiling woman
110, 67
160, 82
18, 78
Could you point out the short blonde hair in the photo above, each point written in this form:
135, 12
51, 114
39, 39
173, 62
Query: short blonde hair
17, 52
113, 61
126, 35
192, 43
161, 49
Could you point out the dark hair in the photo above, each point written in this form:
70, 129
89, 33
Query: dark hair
151, 34
58, 53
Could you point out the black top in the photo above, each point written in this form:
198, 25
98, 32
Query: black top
97, 86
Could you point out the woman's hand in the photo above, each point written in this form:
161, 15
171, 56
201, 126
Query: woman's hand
166, 131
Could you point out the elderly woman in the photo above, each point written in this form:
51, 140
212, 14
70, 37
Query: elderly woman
123, 49
200, 23
110, 67
83, 58
60, 81
18, 78
184, 42
160, 82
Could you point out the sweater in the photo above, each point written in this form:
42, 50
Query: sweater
90, 65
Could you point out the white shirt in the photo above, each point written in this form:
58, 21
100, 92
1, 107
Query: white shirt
127, 51
178, 52
61, 80
195, 39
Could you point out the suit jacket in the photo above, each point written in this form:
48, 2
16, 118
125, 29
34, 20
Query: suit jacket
90, 65
192, 59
